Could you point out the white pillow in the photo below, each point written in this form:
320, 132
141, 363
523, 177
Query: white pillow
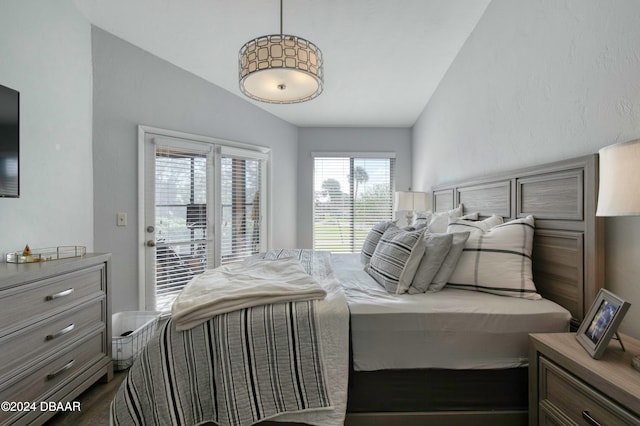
439, 221
471, 216
498, 261
396, 259
421, 219
461, 225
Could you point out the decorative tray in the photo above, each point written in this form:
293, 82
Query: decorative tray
46, 254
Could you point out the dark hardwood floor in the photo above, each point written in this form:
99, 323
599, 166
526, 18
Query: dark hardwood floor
94, 405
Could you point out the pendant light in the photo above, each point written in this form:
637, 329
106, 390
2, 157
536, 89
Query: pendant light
280, 68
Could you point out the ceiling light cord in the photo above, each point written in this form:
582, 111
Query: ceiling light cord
281, 32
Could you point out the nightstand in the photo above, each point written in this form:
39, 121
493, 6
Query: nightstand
568, 387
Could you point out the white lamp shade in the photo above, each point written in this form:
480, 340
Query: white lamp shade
619, 191
411, 201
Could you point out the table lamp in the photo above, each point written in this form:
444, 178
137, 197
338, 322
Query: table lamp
411, 201
619, 186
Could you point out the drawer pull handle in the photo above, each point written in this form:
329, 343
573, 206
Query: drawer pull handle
589, 419
64, 368
62, 332
61, 294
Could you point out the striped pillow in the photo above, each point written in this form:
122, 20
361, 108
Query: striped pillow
498, 261
396, 259
371, 242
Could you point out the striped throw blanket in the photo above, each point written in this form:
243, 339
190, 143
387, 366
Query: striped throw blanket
236, 369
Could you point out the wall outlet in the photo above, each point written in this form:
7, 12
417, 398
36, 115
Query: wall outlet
122, 219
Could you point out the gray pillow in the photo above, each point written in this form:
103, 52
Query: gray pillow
436, 248
450, 262
396, 259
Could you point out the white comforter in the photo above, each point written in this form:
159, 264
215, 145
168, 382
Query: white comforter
243, 285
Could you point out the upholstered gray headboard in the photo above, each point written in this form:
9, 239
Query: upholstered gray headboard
568, 261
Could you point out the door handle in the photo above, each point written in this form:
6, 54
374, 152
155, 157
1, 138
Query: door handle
151, 243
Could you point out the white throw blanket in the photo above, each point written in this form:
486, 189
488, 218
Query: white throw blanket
243, 285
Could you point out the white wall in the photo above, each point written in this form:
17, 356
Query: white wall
45, 54
133, 87
347, 139
538, 81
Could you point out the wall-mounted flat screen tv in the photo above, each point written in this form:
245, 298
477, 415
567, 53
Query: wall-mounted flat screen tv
9, 142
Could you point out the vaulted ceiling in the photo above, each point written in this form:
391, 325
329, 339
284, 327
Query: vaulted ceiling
383, 59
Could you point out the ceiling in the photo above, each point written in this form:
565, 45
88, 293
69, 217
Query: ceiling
383, 59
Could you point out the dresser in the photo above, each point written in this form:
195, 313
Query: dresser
55, 335
568, 387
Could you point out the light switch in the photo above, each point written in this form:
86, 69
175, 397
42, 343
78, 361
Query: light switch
122, 219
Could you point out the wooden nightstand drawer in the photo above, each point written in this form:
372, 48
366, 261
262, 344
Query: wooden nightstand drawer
568, 387
563, 396
35, 342
27, 303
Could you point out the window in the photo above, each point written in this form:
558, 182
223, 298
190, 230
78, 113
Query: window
182, 245
205, 206
351, 194
241, 185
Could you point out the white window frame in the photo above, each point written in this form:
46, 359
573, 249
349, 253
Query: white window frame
220, 146
244, 154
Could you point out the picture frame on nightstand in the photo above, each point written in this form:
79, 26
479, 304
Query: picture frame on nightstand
601, 323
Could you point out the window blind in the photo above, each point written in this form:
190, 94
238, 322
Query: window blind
209, 204
181, 224
242, 182
351, 194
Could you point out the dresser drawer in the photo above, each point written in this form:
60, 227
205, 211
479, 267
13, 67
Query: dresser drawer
30, 302
572, 399
42, 380
33, 342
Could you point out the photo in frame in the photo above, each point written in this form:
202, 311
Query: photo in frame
601, 322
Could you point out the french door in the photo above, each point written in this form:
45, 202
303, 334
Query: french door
204, 205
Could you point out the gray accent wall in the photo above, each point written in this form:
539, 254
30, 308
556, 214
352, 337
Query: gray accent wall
45, 54
541, 81
345, 139
132, 87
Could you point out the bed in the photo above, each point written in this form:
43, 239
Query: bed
455, 383
567, 269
